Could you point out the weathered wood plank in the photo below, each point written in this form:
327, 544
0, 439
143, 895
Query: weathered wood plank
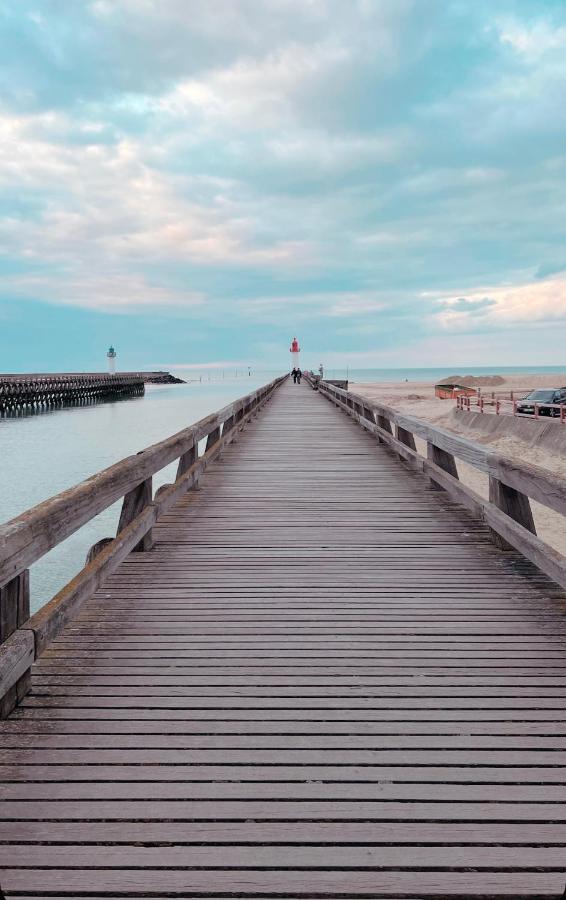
287, 884
334, 685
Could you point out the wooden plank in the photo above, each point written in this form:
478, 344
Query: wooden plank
324, 680
282, 792
291, 883
234, 810
291, 858
340, 833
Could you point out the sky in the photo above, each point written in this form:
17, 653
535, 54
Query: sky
197, 181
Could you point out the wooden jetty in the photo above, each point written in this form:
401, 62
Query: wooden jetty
324, 673
31, 393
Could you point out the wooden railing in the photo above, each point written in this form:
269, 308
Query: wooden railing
507, 511
31, 535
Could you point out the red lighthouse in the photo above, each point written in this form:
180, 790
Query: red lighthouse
294, 350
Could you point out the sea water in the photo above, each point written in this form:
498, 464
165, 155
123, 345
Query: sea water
44, 453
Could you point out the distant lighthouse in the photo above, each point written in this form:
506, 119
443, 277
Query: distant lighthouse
111, 360
295, 351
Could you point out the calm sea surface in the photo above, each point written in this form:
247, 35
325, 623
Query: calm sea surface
45, 453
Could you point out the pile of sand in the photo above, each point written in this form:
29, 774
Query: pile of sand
474, 380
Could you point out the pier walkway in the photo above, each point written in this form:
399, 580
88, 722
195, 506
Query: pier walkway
325, 680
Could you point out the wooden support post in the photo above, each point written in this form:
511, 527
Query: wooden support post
384, 423
514, 504
405, 437
134, 503
14, 611
212, 439
443, 460
228, 425
368, 414
186, 460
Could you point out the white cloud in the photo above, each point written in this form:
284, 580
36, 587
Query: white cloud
533, 41
314, 305
531, 303
254, 92
109, 292
103, 208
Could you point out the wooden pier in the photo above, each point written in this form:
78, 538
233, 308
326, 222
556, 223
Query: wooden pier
318, 676
31, 393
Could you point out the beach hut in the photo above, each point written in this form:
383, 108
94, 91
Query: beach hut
451, 391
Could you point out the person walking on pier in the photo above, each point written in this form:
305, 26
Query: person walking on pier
296, 373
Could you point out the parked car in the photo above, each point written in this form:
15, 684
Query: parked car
544, 395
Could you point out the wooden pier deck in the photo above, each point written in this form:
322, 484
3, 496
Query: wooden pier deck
324, 681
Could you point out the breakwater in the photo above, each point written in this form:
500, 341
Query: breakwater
29, 393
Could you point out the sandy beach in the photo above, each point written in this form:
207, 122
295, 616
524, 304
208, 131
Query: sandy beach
417, 399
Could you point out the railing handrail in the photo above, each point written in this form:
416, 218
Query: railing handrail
511, 483
536, 482
31, 535
39, 529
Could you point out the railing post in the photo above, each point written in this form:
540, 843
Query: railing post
405, 437
514, 504
212, 438
384, 423
14, 611
134, 504
186, 460
443, 460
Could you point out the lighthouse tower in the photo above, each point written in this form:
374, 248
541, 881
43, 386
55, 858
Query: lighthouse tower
295, 351
111, 360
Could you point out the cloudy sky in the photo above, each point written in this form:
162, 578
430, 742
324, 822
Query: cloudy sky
198, 180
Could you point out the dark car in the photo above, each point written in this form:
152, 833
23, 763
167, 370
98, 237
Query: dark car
544, 395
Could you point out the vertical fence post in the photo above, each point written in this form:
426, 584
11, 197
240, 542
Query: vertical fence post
134, 504
212, 438
406, 438
443, 460
186, 460
514, 504
384, 423
14, 611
